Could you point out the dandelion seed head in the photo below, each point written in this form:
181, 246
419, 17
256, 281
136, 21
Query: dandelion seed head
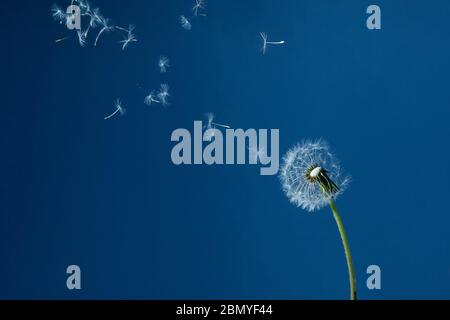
311, 175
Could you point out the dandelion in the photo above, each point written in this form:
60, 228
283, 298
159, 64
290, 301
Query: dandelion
265, 42
106, 28
199, 5
151, 98
58, 14
119, 110
185, 24
312, 178
163, 64
163, 94
129, 38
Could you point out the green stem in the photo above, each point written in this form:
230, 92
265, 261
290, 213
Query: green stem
348, 256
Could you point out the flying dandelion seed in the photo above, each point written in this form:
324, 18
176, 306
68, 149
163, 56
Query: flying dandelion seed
163, 64
210, 116
199, 5
210, 127
151, 99
84, 6
61, 40
96, 18
129, 38
163, 94
85, 33
312, 178
266, 43
106, 28
119, 110
185, 24
58, 14
81, 38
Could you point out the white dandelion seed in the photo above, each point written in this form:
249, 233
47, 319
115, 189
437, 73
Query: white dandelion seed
311, 175
58, 14
130, 37
85, 33
151, 99
118, 110
106, 28
85, 6
185, 24
210, 127
61, 39
199, 6
266, 43
163, 64
210, 116
81, 38
96, 18
312, 178
163, 94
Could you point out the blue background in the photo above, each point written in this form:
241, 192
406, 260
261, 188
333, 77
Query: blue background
104, 195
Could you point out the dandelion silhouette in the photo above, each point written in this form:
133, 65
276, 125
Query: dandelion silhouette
312, 178
119, 110
266, 42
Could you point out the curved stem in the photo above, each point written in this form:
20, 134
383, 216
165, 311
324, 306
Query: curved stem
348, 256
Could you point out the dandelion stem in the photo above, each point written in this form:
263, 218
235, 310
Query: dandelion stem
348, 256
